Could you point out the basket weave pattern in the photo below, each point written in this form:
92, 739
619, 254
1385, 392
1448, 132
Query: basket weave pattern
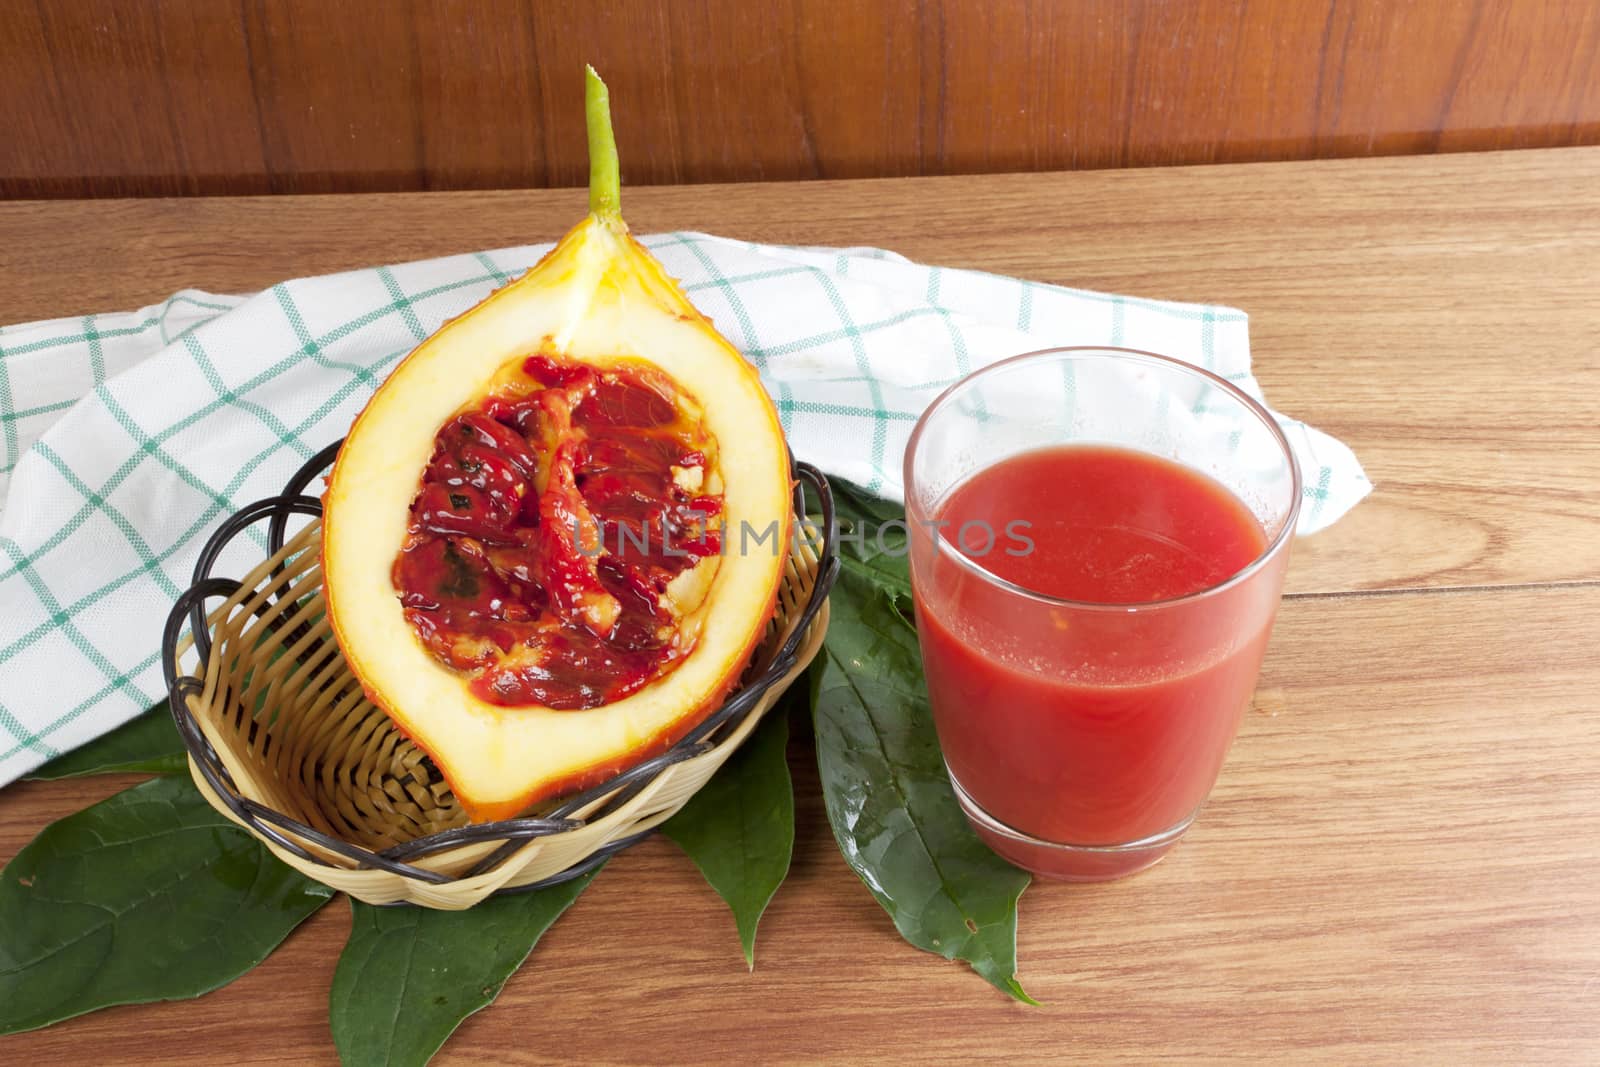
283, 741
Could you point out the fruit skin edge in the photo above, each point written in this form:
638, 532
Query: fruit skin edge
597, 773
621, 252
664, 739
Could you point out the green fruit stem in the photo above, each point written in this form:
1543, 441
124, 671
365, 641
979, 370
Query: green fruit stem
605, 184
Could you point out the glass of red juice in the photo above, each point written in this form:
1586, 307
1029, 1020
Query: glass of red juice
1098, 542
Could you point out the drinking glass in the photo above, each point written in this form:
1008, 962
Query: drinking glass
1082, 738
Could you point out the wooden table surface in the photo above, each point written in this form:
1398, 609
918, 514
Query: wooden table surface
1402, 859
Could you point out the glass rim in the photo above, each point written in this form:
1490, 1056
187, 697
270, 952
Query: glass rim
943, 545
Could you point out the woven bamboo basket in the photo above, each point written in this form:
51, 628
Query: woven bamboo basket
283, 741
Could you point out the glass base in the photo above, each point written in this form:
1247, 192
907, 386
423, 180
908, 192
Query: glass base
1068, 863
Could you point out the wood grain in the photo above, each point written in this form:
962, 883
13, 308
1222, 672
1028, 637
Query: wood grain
168, 97
1439, 314
1397, 866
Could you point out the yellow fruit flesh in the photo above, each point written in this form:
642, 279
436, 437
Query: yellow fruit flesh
597, 297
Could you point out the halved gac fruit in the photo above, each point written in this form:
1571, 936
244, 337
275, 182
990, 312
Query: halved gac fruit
555, 535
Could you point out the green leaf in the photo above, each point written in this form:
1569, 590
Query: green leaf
147, 744
149, 895
884, 783
872, 540
739, 828
409, 975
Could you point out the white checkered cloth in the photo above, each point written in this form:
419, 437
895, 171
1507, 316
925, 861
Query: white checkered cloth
129, 436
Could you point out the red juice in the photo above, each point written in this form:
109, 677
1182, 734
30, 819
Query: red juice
1094, 723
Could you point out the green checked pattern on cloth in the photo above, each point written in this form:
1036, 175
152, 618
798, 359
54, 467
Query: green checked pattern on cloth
125, 438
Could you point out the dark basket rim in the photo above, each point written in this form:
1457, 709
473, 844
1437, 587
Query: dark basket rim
514, 834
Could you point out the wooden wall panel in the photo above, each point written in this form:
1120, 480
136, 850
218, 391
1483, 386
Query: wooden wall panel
147, 97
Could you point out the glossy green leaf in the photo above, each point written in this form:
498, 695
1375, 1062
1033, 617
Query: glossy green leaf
739, 828
150, 895
872, 540
145, 744
409, 975
887, 795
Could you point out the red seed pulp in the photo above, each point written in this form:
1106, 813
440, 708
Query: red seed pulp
547, 527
